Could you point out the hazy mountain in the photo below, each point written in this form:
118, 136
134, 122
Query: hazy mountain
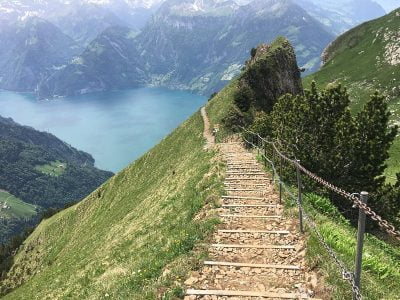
83, 20
109, 62
190, 44
341, 15
30, 50
389, 5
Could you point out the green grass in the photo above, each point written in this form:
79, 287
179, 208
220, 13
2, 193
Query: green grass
56, 168
18, 208
357, 60
218, 107
133, 238
381, 261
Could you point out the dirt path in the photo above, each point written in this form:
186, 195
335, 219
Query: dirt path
257, 253
207, 129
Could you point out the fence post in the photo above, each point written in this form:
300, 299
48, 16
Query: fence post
265, 153
299, 196
360, 241
280, 180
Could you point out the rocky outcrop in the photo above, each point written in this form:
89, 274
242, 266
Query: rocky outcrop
271, 73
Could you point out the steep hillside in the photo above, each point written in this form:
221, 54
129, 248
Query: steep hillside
129, 236
109, 62
39, 171
365, 59
188, 44
30, 50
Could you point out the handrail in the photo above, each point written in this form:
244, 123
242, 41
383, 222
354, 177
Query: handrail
347, 275
383, 224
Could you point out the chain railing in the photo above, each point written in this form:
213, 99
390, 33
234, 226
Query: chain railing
384, 224
354, 279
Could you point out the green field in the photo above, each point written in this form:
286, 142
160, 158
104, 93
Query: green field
18, 208
56, 168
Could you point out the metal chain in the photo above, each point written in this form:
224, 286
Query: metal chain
347, 275
383, 224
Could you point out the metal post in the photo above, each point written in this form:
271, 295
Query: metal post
280, 181
265, 153
360, 241
299, 196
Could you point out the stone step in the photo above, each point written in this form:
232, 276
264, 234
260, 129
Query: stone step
254, 255
254, 246
246, 294
250, 216
251, 209
254, 231
253, 178
245, 190
265, 266
249, 169
257, 239
245, 184
243, 197
249, 205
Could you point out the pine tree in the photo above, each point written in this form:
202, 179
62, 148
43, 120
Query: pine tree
371, 145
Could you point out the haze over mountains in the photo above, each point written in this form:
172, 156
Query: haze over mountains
199, 45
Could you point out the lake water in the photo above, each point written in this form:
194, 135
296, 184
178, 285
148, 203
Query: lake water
114, 127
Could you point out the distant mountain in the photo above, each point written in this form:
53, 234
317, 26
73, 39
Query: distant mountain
30, 50
189, 44
366, 59
41, 170
341, 15
109, 62
389, 5
82, 20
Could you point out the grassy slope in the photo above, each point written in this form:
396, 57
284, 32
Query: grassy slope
381, 262
118, 241
18, 208
357, 60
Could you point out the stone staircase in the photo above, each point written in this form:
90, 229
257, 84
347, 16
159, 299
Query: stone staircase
257, 252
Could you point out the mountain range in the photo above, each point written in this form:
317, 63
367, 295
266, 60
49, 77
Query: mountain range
157, 42
194, 45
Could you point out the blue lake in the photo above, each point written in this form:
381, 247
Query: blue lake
114, 127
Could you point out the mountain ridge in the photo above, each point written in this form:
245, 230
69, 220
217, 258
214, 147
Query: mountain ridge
168, 55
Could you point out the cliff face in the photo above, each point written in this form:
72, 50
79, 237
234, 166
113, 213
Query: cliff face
271, 73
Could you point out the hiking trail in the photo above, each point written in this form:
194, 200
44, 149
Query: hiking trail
257, 251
